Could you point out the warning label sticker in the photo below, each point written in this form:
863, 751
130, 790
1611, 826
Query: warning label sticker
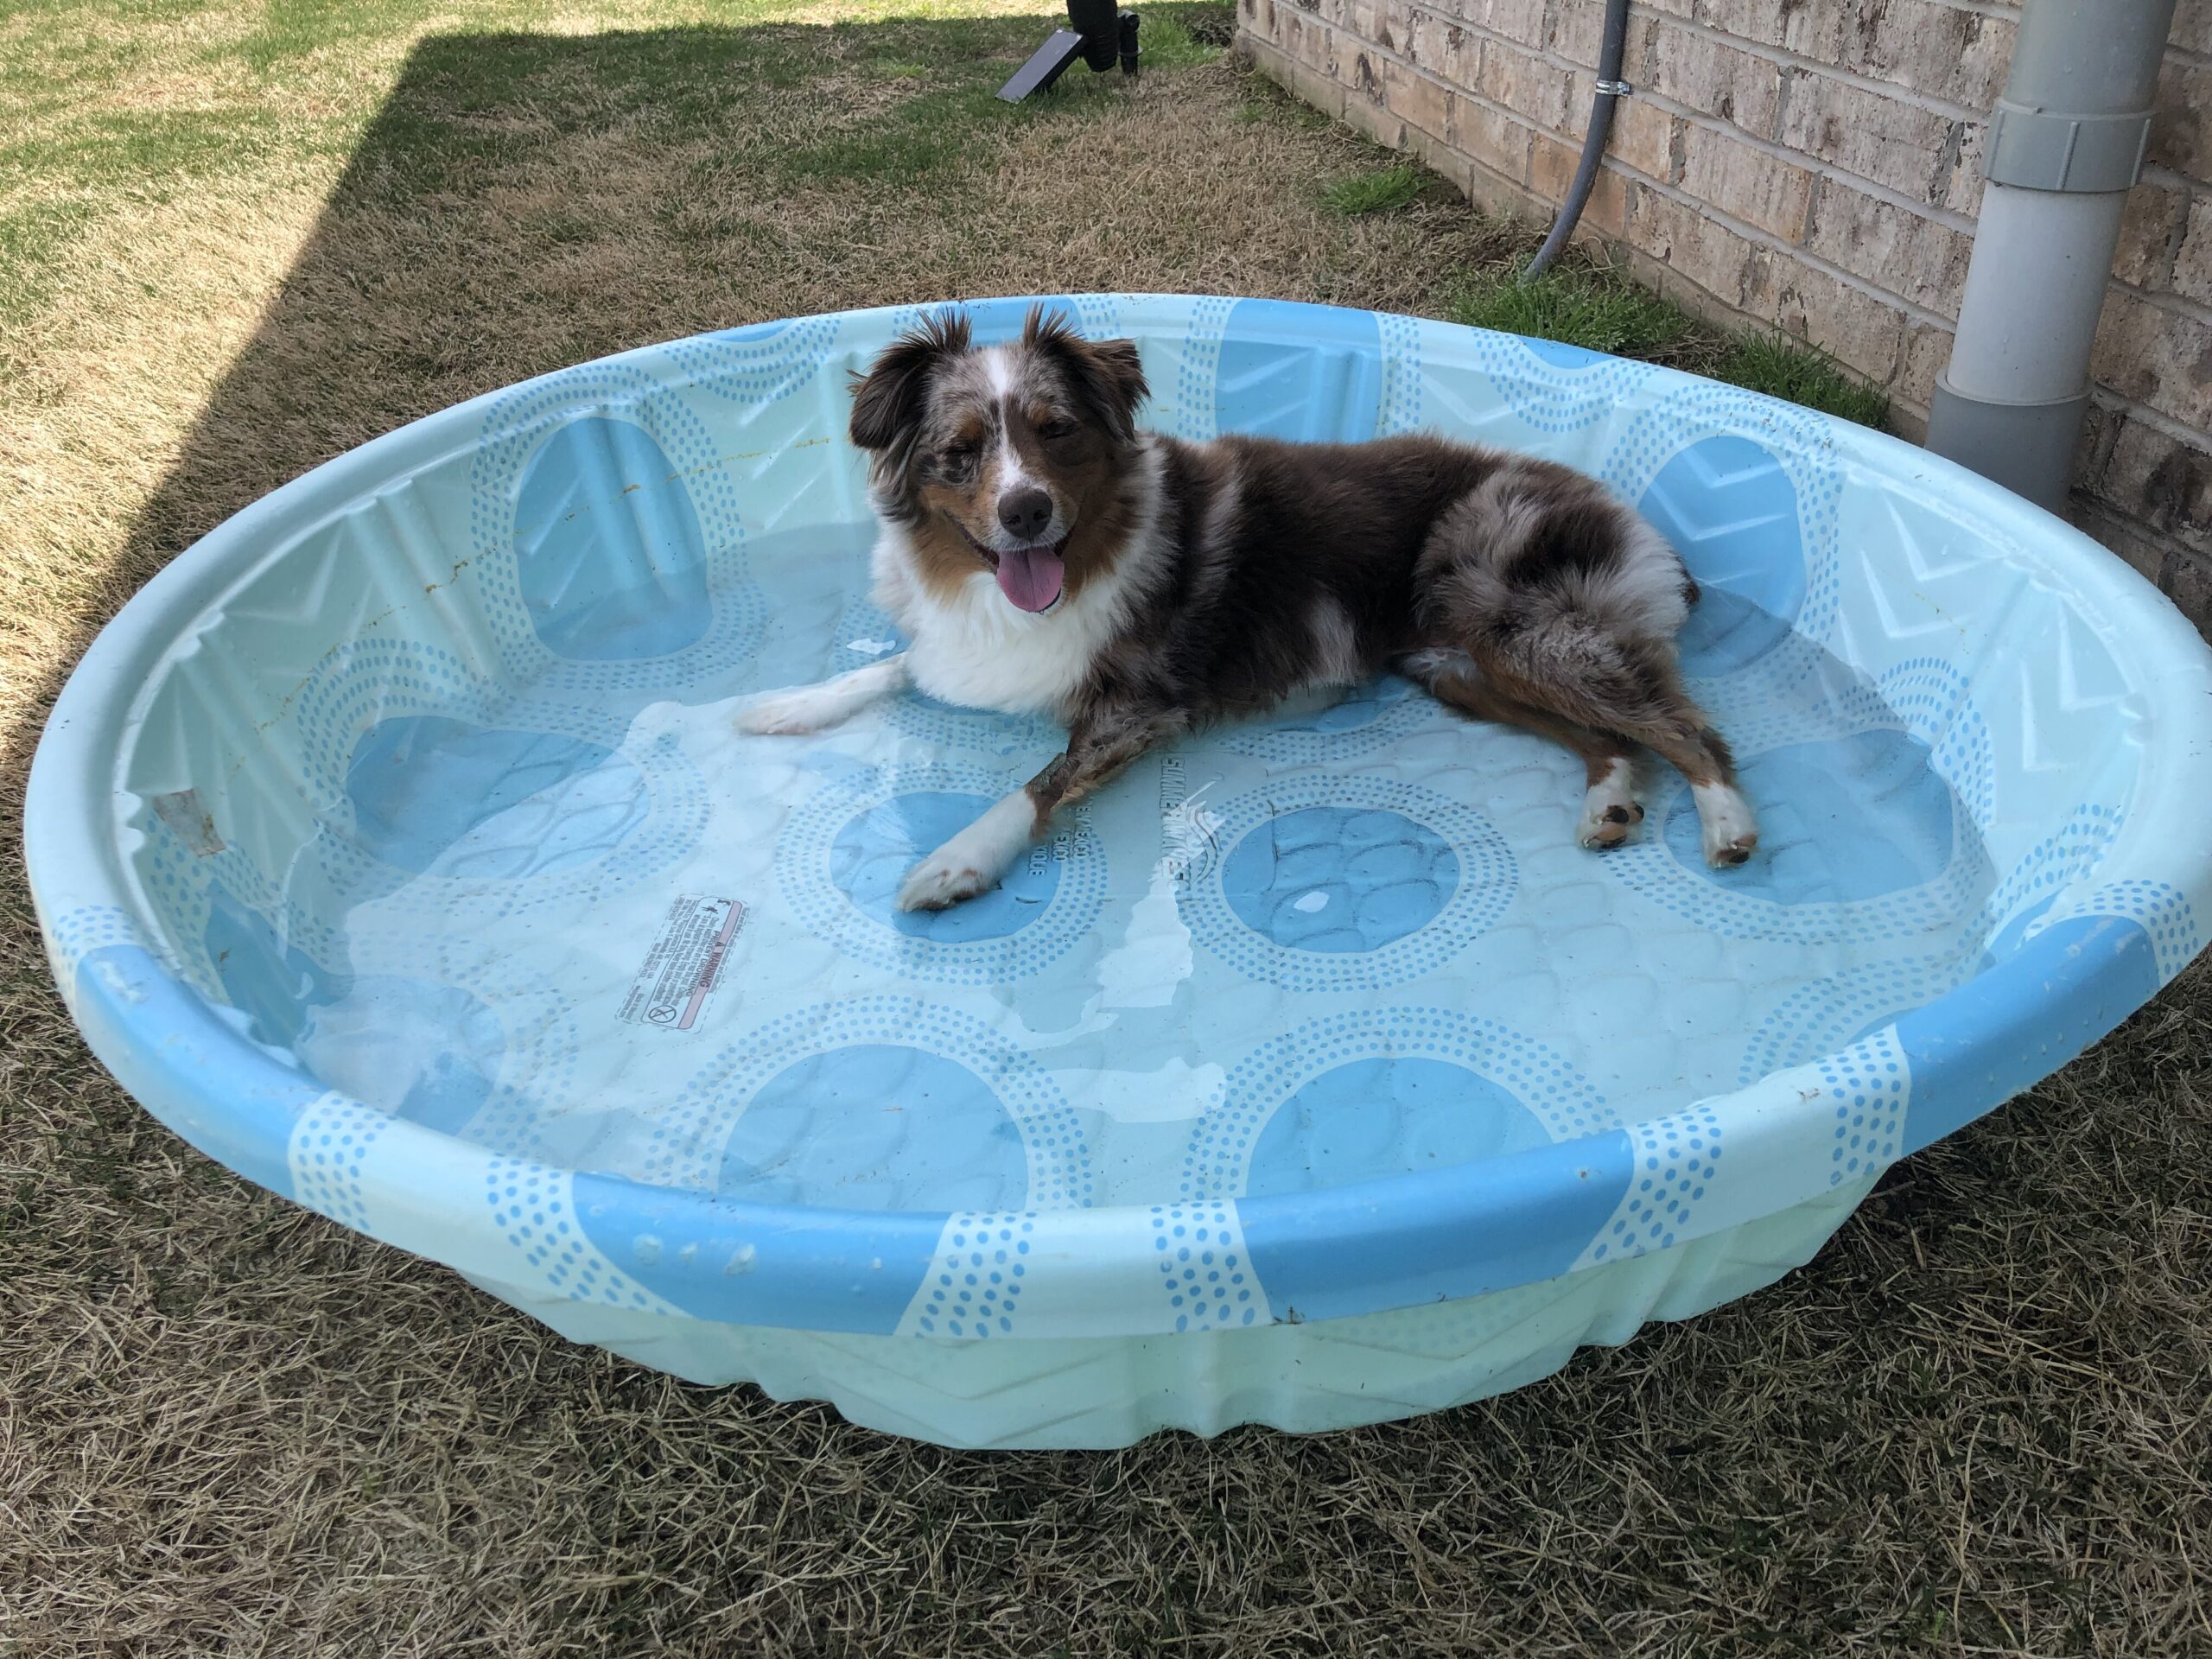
685, 964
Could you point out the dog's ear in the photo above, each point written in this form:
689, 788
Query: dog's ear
887, 400
1105, 373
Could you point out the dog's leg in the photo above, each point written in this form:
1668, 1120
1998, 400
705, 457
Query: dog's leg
1609, 808
1099, 747
1654, 710
816, 707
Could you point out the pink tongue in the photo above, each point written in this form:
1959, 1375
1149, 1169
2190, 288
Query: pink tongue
1030, 578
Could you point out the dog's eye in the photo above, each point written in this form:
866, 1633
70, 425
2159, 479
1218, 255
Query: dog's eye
959, 456
1053, 430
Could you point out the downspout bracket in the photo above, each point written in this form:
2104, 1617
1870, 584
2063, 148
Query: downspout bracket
2043, 149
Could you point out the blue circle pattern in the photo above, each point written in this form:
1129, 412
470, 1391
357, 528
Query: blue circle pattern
1536, 1078
1387, 1116
1486, 872
861, 1127
1335, 879
872, 854
688, 1148
516, 427
1949, 769
834, 890
327, 1152
364, 687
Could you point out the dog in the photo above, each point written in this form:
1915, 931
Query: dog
1044, 554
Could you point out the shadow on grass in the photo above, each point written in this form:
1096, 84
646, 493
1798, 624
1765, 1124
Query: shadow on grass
521, 202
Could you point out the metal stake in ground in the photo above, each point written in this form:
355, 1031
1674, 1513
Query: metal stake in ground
1098, 35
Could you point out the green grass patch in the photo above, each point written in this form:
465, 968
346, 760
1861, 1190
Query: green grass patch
1601, 309
1595, 309
1802, 374
1384, 190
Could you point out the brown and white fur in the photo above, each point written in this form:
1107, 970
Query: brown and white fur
1043, 556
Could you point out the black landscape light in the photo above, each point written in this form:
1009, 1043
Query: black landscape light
1098, 33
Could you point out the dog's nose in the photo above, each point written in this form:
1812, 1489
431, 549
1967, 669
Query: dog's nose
1025, 512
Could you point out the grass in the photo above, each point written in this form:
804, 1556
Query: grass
1381, 190
1580, 302
1974, 1424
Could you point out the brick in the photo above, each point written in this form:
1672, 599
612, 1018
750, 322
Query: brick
1914, 151
2181, 132
1463, 55
1926, 349
1495, 140
1524, 84
2187, 581
1371, 118
1643, 137
1855, 328
2192, 272
1716, 81
1693, 247
2193, 28
1961, 56
1962, 191
1442, 157
1551, 173
1423, 103
1426, 44
2162, 482
1909, 254
2156, 355
1813, 28
1746, 183
2149, 232
1516, 20
1578, 28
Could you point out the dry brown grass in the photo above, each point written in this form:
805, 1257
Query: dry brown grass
1976, 1424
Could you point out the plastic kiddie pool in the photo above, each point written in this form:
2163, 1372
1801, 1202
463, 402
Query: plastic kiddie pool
396, 847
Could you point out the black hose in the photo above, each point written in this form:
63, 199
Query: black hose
1611, 89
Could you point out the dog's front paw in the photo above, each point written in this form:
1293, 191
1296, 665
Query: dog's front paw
789, 713
941, 881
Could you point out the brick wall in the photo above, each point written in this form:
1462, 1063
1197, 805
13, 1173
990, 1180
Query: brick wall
1812, 165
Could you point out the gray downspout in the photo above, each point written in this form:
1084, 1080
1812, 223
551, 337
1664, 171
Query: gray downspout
1611, 88
2065, 143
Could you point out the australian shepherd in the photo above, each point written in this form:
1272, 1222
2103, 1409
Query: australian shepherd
1044, 554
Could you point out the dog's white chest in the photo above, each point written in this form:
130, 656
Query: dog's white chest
979, 651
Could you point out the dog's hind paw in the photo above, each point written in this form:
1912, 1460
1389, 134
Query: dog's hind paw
1727, 826
1610, 809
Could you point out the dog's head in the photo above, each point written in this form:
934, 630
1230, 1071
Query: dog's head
1011, 459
